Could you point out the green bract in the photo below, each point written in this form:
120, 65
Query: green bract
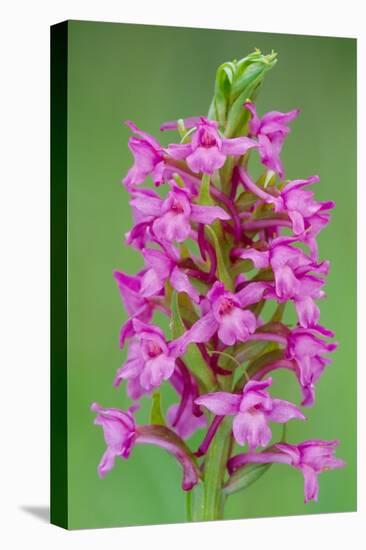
235, 83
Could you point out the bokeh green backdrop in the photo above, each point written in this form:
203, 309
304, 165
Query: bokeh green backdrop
151, 74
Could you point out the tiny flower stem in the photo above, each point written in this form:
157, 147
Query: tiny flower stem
213, 362
257, 225
264, 457
257, 365
268, 336
281, 364
235, 180
214, 352
198, 274
231, 207
186, 379
202, 450
201, 241
253, 188
213, 261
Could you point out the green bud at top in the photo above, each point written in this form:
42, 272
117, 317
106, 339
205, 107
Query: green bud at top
237, 82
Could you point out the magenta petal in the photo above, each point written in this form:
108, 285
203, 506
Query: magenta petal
325, 332
151, 283
149, 332
134, 389
291, 451
257, 385
264, 457
172, 227
308, 395
206, 160
271, 131
318, 454
236, 326
146, 158
149, 206
311, 487
282, 411
287, 285
284, 255
180, 282
297, 219
237, 146
298, 184
251, 293
156, 370
189, 122
276, 121
119, 434
254, 122
107, 462
312, 457
251, 428
259, 259
216, 291
203, 329
118, 426
133, 365
179, 151
127, 331
144, 135
255, 400
269, 151
159, 261
158, 172
131, 369
303, 342
207, 214
129, 288
311, 286
220, 403
307, 311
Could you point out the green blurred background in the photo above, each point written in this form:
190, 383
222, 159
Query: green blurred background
151, 74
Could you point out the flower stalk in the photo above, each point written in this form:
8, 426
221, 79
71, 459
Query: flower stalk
214, 472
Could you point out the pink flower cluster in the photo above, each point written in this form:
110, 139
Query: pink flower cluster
218, 249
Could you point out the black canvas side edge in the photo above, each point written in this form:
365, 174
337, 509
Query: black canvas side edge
59, 486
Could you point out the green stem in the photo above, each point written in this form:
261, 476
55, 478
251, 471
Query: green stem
208, 502
189, 506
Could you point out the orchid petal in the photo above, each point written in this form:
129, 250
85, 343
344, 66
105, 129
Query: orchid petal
259, 259
311, 486
180, 282
251, 428
283, 411
207, 214
220, 403
206, 160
